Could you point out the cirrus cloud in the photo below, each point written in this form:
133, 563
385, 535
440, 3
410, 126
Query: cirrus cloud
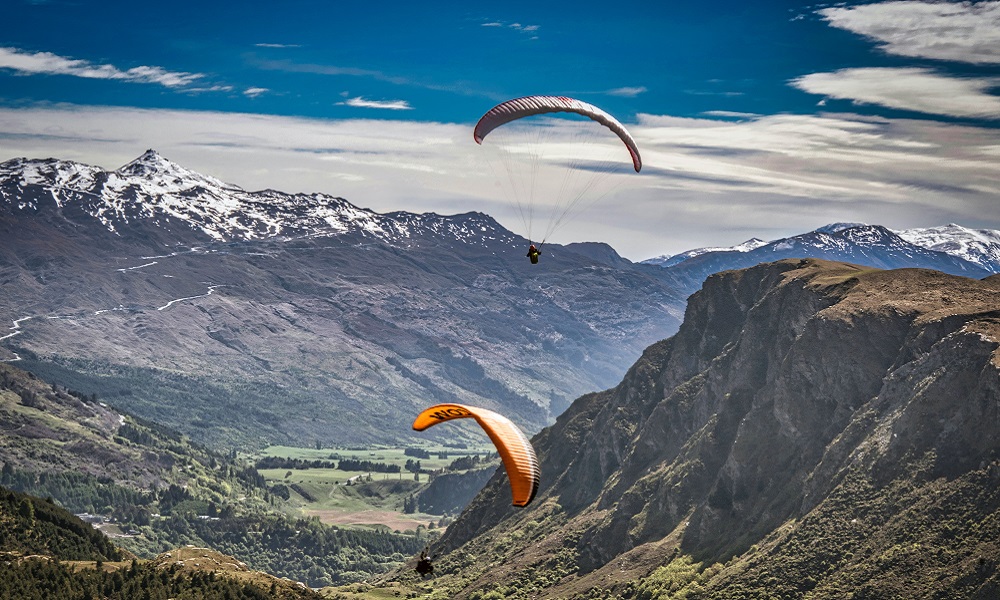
47, 63
253, 92
628, 92
362, 102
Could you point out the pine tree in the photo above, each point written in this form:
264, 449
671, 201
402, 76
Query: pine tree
27, 510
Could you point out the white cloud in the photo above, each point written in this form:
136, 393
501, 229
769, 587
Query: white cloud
515, 26
916, 89
955, 31
362, 102
46, 63
703, 182
627, 92
729, 114
264, 45
253, 92
288, 66
211, 88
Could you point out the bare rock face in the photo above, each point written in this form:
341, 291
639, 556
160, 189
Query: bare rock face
784, 381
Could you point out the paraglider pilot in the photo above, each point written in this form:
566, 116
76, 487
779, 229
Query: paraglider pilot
533, 254
424, 565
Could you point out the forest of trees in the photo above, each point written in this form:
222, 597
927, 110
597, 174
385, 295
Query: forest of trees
40, 579
30, 525
345, 464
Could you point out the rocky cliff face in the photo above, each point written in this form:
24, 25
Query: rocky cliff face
789, 387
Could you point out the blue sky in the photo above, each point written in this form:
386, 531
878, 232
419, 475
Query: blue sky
754, 119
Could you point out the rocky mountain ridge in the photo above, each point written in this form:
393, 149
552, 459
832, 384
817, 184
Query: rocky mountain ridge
807, 417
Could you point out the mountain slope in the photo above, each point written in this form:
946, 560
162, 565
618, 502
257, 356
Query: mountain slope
32, 526
243, 318
36, 538
151, 488
979, 246
669, 260
813, 426
49, 431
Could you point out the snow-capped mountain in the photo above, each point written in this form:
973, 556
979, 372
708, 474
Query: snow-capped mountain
980, 246
838, 227
154, 191
668, 260
870, 245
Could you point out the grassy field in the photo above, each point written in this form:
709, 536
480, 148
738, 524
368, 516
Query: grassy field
359, 498
392, 456
394, 590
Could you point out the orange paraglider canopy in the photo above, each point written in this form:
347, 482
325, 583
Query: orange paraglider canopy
515, 450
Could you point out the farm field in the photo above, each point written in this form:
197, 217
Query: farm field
361, 498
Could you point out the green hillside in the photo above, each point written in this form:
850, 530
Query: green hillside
32, 526
153, 490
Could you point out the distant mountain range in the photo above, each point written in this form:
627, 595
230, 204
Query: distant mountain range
246, 318
977, 246
670, 260
951, 249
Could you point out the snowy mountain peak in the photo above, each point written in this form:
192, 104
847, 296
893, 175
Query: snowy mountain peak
979, 246
869, 234
950, 233
47, 172
747, 246
668, 260
152, 192
149, 162
838, 227
157, 170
